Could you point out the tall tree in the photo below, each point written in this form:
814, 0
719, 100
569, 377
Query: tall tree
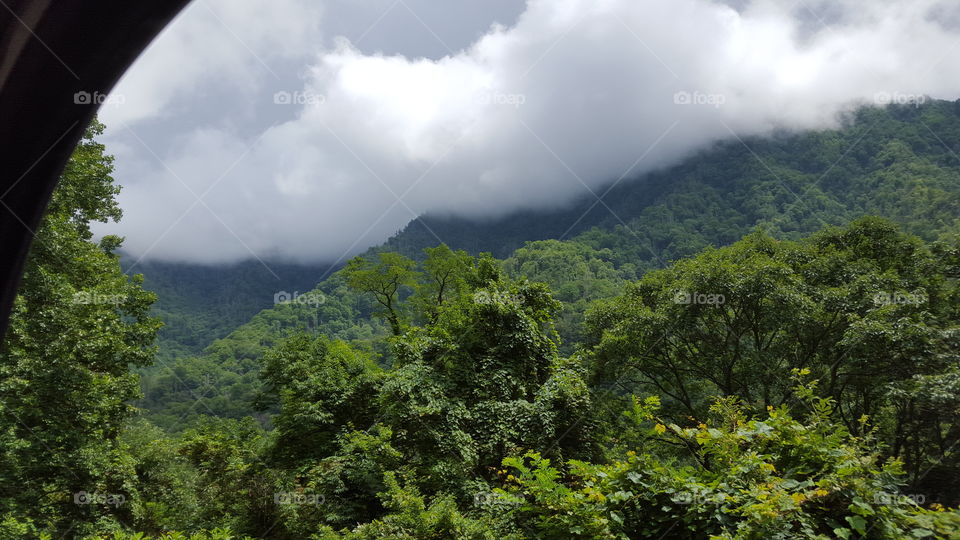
384, 278
77, 326
445, 275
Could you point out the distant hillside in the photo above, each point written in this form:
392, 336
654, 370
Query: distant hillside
900, 162
199, 304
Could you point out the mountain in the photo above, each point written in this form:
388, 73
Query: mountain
899, 162
766, 388
199, 303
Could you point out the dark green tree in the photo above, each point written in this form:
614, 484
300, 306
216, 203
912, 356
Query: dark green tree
482, 382
325, 389
77, 327
865, 307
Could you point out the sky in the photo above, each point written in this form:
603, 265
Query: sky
306, 130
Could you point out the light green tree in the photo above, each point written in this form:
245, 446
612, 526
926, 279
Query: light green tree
384, 279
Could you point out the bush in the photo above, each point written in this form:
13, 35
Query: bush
770, 477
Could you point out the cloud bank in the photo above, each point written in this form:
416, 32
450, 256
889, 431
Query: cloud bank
570, 96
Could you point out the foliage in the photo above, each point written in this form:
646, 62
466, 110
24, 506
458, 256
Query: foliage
199, 306
384, 279
897, 162
412, 518
77, 325
225, 381
862, 307
768, 477
323, 387
583, 387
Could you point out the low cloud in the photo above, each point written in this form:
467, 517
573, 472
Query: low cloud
572, 95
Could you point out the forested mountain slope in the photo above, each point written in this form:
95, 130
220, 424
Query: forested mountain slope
579, 388
899, 162
201, 303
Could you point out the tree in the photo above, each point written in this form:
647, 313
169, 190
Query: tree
325, 389
773, 475
77, 326
445, 274
865, 307
237, 489
853, 304
384, 279
482, 382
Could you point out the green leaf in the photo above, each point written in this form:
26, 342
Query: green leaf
858, 523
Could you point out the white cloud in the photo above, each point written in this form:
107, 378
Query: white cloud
574, 93
215, 47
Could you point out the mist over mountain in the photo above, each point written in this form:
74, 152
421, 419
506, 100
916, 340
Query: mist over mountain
899, 162
342, 144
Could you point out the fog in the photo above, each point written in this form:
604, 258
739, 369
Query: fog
310, 131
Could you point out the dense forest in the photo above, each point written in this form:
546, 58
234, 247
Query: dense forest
198, 306
899, 162
760, 342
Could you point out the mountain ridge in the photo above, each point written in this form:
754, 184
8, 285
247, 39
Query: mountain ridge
898, 162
